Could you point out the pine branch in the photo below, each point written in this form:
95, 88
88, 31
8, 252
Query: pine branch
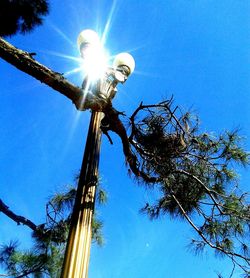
189, 220
25, 62
17, 218
31, 271
205, 187
116, 125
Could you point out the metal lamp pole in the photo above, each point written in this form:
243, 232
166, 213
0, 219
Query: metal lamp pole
99, 94
79, 240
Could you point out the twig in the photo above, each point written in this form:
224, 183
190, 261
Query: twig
205, 187
202, 235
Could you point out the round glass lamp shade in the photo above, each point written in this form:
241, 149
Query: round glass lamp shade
88, 37
124, 59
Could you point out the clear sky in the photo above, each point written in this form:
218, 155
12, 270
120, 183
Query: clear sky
197, 50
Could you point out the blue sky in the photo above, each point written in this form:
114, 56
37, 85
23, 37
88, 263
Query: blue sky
197, 50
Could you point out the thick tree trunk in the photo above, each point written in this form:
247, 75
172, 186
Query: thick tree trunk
25, 62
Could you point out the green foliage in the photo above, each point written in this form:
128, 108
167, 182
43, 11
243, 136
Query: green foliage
21, 15
45, 258
37, 261
195, 174
96, 231
195, 178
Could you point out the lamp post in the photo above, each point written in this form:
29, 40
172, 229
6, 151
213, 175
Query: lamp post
99, 88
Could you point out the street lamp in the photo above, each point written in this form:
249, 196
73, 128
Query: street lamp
99, 88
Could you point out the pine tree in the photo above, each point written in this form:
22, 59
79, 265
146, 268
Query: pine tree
21, 16
45, 258
193, 172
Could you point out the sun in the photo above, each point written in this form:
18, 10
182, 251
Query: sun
95, 60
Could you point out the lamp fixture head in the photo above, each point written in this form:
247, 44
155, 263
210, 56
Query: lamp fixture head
94, 58
124, 62
88, 37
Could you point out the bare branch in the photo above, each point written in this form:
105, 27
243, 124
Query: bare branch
116, 125
25, 62
17, 218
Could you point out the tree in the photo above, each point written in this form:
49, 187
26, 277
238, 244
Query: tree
194, 174
21, 16
46, 256
193, 171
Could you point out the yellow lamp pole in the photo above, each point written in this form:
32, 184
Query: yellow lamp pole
97, 94
79, 240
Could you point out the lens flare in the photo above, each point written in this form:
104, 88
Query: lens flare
94, 62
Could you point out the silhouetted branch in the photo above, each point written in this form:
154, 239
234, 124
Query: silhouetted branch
116, 125
17, 218
24, 61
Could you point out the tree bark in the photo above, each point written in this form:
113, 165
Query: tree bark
26, 63
17, 218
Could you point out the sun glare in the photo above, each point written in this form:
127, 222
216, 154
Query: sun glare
95, 59
73, 71
108, 23
95, 62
